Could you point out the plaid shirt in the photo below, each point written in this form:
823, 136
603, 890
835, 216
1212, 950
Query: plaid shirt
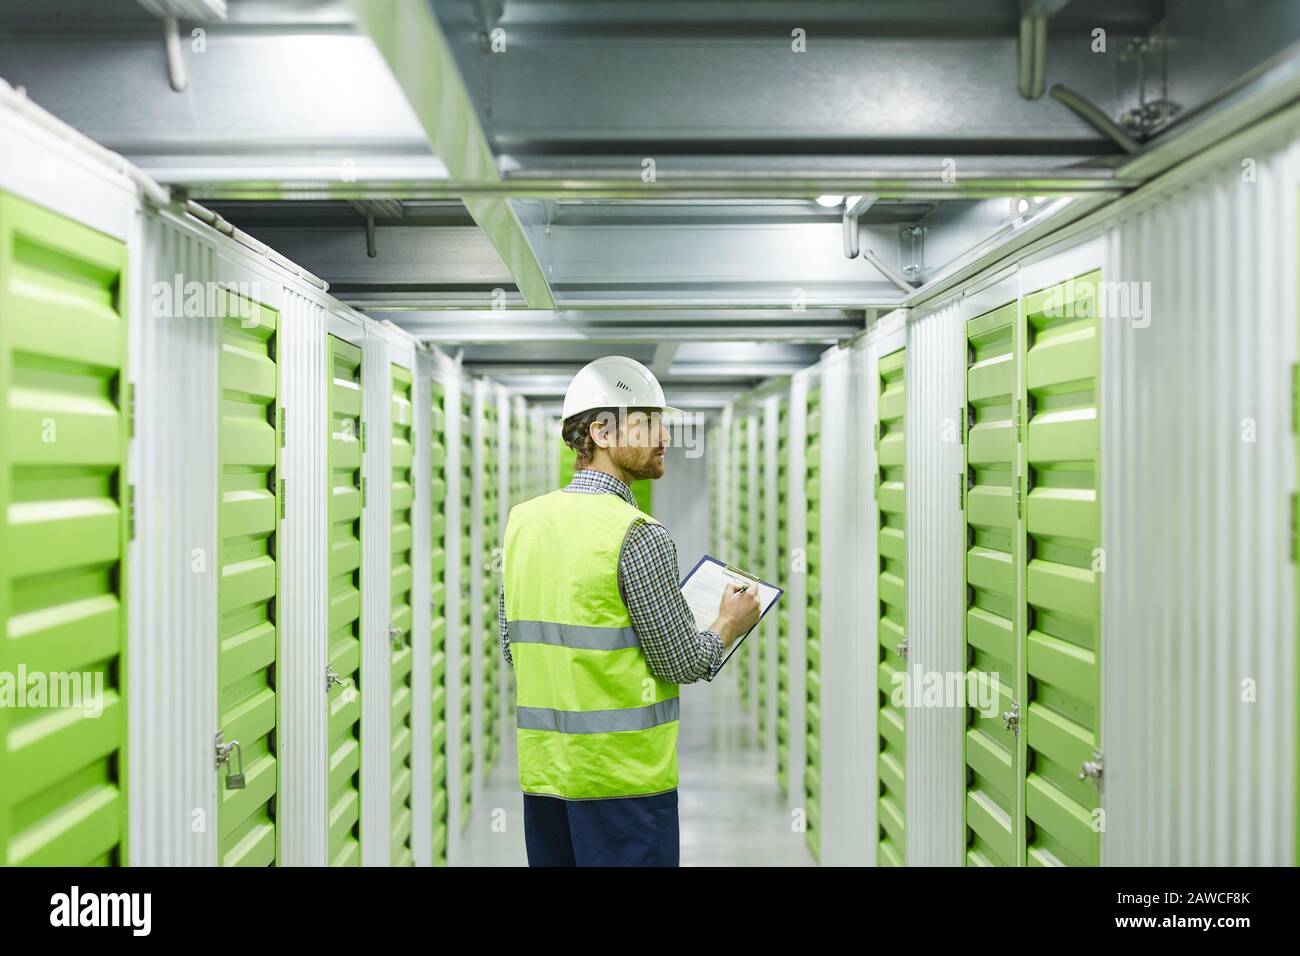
647, 581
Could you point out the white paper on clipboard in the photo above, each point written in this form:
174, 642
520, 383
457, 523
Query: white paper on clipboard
704, 586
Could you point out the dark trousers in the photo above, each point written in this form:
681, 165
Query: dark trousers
624, 831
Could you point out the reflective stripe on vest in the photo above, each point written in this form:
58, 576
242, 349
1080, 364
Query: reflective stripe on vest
593, 721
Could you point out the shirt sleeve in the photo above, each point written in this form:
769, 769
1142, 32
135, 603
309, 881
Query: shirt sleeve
647, 578
505, 628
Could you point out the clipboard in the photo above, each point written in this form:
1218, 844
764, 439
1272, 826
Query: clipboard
702, 588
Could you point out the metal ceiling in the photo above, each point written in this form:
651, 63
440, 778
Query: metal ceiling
538, 183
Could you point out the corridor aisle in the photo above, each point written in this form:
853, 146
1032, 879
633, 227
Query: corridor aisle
731, 811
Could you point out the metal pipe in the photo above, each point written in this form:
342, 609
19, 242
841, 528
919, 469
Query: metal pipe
1094, 117
175, 62
851, 216
887, 272
1031, 68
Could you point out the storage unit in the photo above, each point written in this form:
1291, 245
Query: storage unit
891, 607
812, 775
402, 543
344, 680
740, 549
489, 480
439, 672
993, 558
66, 500
783, 701
466, 630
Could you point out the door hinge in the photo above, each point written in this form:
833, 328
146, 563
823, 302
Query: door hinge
283, 426
283, 498
961, 492
902, 648
363, 437
363, 491
1092, 770
1011, 719
130, 409
130, 512
962, 424
1017, 419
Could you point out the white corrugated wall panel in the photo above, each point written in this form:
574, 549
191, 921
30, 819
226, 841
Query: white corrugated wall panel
302, 811
1198, 589
848, 727
174, 557
935, 371
376, 600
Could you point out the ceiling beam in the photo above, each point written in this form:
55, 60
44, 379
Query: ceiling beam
479, 327
663, 359
412, 43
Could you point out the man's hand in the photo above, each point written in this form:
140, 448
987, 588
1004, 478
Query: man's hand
737, 613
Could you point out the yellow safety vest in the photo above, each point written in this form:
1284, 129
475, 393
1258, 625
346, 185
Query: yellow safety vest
593, 721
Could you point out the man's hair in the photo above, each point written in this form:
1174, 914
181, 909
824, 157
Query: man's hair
576, 430
577, 433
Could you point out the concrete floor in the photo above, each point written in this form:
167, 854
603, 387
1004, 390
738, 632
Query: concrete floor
732, 813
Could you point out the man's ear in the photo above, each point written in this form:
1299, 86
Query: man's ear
599, 432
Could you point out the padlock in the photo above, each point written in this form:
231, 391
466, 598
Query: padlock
235, 781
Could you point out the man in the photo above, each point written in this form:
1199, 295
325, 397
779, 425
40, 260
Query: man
599, 636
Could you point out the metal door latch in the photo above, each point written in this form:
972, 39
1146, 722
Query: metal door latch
224, 749
395, 635
1092, 770
331, 678
1011, 720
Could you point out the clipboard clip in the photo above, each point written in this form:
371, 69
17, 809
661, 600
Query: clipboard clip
742, 574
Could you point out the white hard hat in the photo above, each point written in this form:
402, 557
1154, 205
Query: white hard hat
614, 381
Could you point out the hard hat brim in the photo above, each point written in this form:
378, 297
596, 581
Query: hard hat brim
667, 412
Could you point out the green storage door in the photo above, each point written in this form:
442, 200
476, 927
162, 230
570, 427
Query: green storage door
891, 608
992, 555
466, 768
63, 438
344, 676
758, 566
740, 546
490, 613
782, 610
1063, 526
813, 613
399, 627
438, 619
247, 525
